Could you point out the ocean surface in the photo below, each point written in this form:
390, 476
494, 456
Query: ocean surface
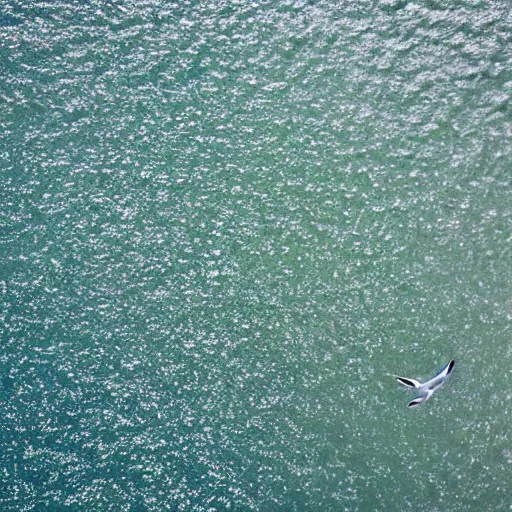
226, 226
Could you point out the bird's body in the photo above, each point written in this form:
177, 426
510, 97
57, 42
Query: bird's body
427, 389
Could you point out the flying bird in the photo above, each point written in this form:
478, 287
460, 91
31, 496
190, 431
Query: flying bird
426, 389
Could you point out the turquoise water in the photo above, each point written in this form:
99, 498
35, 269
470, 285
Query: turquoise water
226, 227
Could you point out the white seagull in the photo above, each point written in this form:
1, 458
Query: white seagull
427, 389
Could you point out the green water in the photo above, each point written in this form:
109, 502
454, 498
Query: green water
225, 227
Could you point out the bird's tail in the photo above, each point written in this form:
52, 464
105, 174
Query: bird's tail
417, 401
420, 399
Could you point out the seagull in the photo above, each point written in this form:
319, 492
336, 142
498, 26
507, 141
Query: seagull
427, 389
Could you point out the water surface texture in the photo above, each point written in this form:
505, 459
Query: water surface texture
225, 226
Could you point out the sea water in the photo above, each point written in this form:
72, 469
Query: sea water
225, 227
